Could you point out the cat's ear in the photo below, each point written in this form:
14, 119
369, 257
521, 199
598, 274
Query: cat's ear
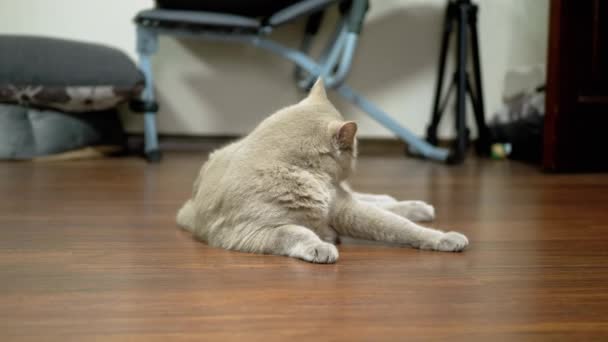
318, 90
345, 134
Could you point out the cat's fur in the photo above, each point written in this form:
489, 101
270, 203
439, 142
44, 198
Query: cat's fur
281, 190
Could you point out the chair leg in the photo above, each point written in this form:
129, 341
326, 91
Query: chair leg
420, 146
147, 45
151, 149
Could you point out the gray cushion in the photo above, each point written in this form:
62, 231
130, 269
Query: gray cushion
64, 74
27, 133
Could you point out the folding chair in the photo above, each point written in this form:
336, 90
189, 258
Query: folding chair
251, 22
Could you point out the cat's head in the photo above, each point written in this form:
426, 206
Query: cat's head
339, 144
311, 134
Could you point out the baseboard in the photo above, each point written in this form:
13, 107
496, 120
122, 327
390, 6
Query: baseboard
183, 143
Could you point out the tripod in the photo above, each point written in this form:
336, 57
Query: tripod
463, 14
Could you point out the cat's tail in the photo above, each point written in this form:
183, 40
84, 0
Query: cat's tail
185, 216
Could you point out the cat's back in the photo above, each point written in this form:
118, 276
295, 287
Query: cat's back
241, 175
219, 169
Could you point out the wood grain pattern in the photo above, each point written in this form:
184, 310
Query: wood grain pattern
89, 251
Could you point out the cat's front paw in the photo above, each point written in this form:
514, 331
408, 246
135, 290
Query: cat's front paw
321, 253
414, 210
452, 242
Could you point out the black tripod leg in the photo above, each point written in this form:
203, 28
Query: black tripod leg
447, 97
461, 74
477, 109
483, 139
431, 134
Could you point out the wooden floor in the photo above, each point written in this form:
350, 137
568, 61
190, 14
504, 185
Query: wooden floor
89, 251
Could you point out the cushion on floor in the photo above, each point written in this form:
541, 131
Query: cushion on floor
67, 75
26, 133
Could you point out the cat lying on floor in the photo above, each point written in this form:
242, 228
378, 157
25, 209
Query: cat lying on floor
281, 190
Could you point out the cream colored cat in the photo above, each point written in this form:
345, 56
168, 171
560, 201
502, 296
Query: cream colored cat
281, 190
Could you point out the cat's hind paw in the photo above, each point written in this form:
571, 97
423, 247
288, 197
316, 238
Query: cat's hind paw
452, 242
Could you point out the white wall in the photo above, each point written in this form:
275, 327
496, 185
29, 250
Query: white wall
218, 88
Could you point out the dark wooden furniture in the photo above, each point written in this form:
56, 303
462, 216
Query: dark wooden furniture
576, 125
